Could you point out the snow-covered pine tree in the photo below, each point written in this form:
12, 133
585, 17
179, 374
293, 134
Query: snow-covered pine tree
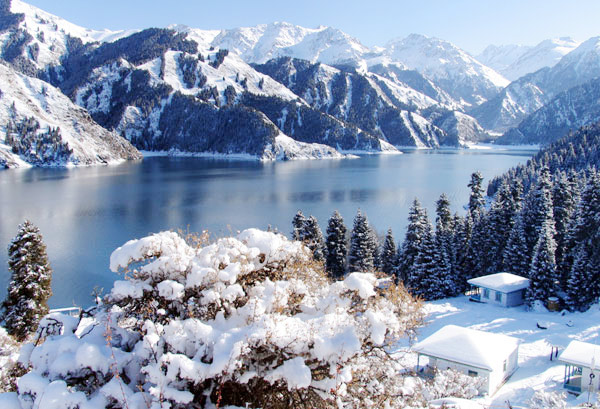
584, 226
337, 248
388, 254
542, 273
537, 208
298, 226
361, 256
579, 298
460, 246
476, 199
374, 243
423, 279
469, 257
515, 258
565, 195
313, 238
475, 262
443, 221
29, 288
417, 225
500, 220
444, 232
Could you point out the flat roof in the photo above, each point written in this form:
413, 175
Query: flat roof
503, 282
468, 346
581, 354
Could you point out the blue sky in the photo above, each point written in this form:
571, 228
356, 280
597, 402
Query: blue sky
470, 24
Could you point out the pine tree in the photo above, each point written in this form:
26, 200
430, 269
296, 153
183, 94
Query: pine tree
537, 209
443, 221
337, 249
515, 258
423, 279
542, 274
500, 221
460, 248
579, 298
415, 231
298, 226
29, 288
476, 199
313, 238
362, 245
585, 225
388, 254
565, 194
444, 233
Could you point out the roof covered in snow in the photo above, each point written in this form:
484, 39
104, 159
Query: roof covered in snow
503, 282
468, 346
582, 354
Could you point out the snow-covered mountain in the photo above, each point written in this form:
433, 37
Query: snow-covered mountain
569, 110
150, 85
529, 93
515, 61
467, 80
373, 103
283, 91
266, 41
40, 126
452, 69
546, 54
500, 57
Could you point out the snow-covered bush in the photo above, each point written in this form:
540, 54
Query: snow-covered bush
452, 383
9, 367
548, 400
245, 320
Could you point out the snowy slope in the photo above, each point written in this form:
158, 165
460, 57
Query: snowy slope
546, 54
81, 141
451, 68
50, 35
529, 93
569, 110
515, 61
264, 42
500, 57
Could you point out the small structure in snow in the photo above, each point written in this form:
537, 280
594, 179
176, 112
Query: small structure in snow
582, 362
493, 357
504, 289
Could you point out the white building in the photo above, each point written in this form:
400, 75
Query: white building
581, 360
493, 357
503, 289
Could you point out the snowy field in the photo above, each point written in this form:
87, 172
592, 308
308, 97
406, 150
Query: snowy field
536, 371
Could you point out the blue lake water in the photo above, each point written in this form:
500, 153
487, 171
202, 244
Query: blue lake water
86, 213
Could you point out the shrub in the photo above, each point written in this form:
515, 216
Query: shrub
246, 320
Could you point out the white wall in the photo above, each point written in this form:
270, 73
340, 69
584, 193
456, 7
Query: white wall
492, 297
442, 364
585, 379
492, 379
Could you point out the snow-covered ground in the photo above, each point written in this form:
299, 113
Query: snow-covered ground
536, 372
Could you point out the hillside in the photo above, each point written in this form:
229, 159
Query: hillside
42, 127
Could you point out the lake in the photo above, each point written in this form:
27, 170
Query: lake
86, 213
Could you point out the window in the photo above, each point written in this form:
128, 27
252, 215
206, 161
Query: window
498, 296
472, 373
486, 293
504, 366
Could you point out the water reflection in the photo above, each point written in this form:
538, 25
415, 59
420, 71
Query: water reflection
86, 213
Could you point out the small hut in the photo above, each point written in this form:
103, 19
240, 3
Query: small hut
503, 289
582, 366
493, 357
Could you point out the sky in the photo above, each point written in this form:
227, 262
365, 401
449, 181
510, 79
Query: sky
469, 24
